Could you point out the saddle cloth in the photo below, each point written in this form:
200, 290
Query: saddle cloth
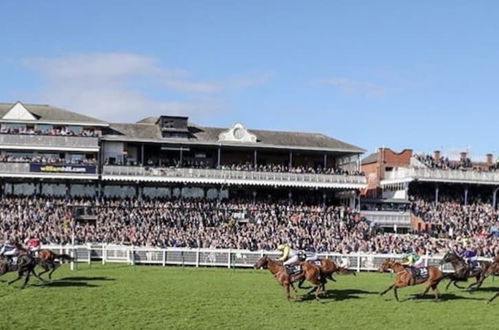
293, 269
316, 262
420, 273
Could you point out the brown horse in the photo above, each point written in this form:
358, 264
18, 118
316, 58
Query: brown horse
47, 259
494, 270
404, 278
309, 272
328, 267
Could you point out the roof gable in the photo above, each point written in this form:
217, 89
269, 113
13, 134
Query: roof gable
19, 112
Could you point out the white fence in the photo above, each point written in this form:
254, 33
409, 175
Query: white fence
213, 257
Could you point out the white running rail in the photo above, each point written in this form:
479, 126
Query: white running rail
213, 257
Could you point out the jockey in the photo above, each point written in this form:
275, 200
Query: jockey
469, 255
33, 245
9, 250
288, 255
413, 260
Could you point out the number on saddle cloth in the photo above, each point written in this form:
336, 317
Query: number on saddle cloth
293, 269
420, 273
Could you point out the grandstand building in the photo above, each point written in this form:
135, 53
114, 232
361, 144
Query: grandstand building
46, 150
394, 179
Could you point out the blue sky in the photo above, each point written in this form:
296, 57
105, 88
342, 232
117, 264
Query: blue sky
415, 74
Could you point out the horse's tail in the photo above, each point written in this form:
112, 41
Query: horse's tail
63, 257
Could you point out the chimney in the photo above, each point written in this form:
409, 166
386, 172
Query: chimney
489, 160
436, 155
464, 155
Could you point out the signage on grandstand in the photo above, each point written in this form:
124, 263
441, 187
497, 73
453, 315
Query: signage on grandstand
44, 168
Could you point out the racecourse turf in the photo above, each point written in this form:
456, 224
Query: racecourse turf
150, 297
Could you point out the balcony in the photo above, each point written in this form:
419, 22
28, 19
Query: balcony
388, 218
49, 142
52, 171
437, 175
213, 176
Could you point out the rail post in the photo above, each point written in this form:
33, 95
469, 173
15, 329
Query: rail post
229, 260
164, 257
104, 254
358, 262
197, 257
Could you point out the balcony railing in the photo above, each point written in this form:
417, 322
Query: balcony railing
437, 175
55, 171
190, 175
388, 218
49, 142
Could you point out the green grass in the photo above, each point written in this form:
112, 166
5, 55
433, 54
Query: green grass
125, 297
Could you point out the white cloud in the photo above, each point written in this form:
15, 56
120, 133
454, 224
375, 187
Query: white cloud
104, 85
355, 87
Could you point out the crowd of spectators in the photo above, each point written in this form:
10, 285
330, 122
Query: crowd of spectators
274, 168
445, 163
57, 131
243, 225
279, 168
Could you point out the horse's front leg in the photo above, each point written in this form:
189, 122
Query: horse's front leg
300, 283
19, 276
395, 292
388, 289
425, 291
288, 293
37, 276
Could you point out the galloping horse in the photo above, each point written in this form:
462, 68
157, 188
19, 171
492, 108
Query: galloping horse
47, 260
462, 271
404, 278
494, 270
309, 271
328, 268
25, 266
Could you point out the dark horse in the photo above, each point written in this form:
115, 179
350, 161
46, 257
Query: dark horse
25, 266
462, 271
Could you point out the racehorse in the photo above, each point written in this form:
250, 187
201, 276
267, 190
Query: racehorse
494, 270
47, 260
404, 278
25, 266
309, 272
462, 271
328, 268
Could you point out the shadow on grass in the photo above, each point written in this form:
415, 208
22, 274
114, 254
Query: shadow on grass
443, 297
84, 278
65, 284
337, 295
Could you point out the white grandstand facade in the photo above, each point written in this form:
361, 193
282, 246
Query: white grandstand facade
50, 151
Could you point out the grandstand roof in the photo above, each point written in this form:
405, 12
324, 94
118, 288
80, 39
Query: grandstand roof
44, 113
147, 131
372, 158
